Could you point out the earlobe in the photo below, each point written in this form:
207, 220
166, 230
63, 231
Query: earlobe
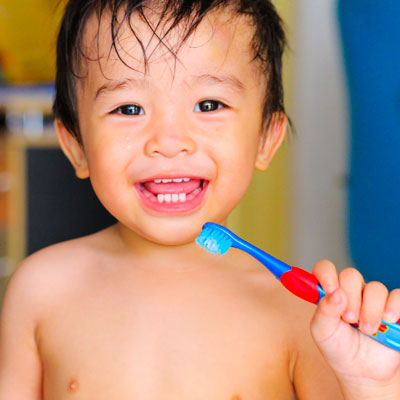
272, 140
72, 149
261, 162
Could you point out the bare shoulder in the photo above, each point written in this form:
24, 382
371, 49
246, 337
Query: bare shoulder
49, 270
288, 314
33, 295
270, 293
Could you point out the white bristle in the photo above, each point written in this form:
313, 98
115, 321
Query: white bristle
214, 241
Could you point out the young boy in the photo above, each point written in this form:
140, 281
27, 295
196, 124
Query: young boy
168, 106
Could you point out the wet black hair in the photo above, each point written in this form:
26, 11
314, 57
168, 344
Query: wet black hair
268, 42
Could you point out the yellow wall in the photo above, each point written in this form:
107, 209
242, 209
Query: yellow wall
263, 216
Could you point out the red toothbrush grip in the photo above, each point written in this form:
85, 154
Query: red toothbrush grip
305, 285
301, 283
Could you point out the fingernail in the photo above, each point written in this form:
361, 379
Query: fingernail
330, 289
367, 328
388, 316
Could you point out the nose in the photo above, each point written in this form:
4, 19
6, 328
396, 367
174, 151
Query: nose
169, 139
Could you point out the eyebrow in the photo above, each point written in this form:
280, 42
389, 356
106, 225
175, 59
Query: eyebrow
228, 80
113, 85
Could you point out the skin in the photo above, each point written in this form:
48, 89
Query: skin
138, 311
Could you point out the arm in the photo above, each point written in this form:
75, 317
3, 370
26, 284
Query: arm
20, 366
313, 378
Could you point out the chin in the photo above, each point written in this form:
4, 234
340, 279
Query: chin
172, 232
176, 241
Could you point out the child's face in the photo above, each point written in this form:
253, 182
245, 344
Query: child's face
198, 117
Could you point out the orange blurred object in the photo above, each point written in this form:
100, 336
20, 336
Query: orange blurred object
28, 30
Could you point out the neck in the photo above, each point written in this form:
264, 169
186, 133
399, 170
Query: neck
152, 255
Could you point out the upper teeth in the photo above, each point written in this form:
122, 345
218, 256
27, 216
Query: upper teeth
178, 180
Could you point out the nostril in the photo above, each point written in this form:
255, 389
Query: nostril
169, 146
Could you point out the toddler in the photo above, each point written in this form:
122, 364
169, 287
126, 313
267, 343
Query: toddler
168, 106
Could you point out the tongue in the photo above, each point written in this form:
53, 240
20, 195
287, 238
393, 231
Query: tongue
172, 187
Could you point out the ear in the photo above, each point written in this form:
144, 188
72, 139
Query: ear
72, 149
271, 140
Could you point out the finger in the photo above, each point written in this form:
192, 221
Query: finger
325, 272
392, 309
327, 317
352, 283
373, 304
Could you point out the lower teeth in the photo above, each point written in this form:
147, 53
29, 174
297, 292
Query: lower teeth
177, 198
174, 198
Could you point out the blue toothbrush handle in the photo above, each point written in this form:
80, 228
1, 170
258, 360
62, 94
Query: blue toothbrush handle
304, 284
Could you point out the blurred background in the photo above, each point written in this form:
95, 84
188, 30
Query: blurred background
332, 192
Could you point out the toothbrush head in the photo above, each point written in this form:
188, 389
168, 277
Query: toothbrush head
214, 239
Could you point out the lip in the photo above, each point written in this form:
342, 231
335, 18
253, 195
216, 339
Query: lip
187, 207
175, 176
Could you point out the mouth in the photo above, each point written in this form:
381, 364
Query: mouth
172, 194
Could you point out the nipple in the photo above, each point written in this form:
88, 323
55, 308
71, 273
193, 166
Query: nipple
73, 386
236, 397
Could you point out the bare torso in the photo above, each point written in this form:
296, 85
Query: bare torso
112, 329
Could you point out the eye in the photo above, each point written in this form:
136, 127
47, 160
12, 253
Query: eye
129, 109
208, 106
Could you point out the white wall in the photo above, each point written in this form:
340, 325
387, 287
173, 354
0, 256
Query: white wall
320, 148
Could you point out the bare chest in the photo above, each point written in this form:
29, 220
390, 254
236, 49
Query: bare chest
204, 345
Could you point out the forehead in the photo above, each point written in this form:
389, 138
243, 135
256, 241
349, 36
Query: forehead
223, 39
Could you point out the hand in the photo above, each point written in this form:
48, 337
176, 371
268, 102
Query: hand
365, 368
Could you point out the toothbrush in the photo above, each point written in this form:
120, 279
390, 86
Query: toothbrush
218, 239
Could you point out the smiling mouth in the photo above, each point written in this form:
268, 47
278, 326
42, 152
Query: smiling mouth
172, 194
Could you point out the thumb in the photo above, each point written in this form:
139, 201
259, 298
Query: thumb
327, 323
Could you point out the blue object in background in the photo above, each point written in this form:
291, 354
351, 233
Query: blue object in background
370, 33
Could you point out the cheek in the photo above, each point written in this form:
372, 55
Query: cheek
236, 167
107, 149
107, 163
107, 172
241, 153
106, 182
